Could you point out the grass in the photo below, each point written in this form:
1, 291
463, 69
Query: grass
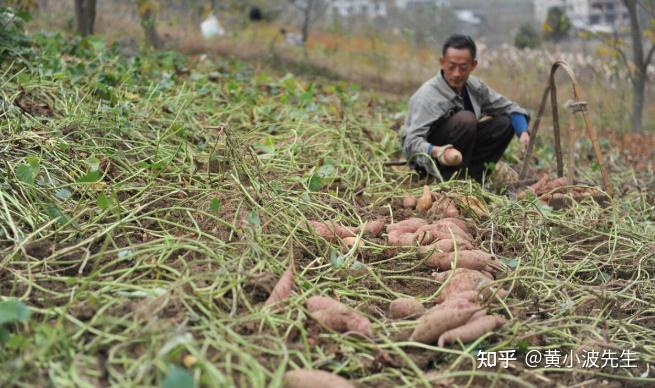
146, 218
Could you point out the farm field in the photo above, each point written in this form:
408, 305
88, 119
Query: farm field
149, 205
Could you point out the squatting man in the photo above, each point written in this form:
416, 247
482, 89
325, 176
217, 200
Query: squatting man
443, 127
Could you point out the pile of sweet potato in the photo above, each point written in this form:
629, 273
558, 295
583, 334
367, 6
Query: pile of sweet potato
431, 203
547, 189
447, 245
459, 314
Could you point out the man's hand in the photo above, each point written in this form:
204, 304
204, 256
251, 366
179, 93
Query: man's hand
524, 141
447, 155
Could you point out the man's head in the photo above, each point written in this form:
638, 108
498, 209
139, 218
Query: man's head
458, 60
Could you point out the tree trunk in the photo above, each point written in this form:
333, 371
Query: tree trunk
307, 21
147, 12
85, 13
639, 72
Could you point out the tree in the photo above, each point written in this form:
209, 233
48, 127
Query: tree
637, 63
85, 13
641, 59
527, 37
557, 25
310, 10
148, 14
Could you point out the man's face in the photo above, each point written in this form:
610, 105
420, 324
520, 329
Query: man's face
457, 65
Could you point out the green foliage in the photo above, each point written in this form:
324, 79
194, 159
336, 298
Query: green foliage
11, 311
557, 25
527, 37
15, 45
178, 378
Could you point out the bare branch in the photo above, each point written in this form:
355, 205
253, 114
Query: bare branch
649, 56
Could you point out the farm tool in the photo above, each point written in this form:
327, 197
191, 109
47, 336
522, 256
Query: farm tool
576, 106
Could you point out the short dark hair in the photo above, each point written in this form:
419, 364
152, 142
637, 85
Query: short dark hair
459, 41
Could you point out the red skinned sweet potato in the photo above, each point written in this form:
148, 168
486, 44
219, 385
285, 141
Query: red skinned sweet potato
337, 316
472, 330
318, 302
282, 289
322, 230
437, 321
425, 202
309, 378
457, 221
409, 201
403, 308
463, 280
472, 259
443, 246
374, 228
408, 225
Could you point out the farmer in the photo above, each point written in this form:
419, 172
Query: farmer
443, 126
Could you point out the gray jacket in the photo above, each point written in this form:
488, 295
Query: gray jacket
435, 99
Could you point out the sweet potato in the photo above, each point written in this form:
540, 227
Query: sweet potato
437, 321
464, 280
374, 228
556, 184
457, 221
409, 201
444, 207
342, 231
359, 324
399, 238
443, 246
402, 308
472, 259
337, 316
322, 230
477, 315
456, 302
449, 226
538, 187
351, 241
308, 378
408, 225
333, 318
425, 202
317, 302
472, 330
282, 289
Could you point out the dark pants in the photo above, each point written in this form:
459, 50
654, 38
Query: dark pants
479, 142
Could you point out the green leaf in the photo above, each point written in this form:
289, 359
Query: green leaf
63, 193
5, 336
90, 177
315, 183
56, 214
12, 311
327, 170
33, 161
253, 218
94, 163
25, 173
215, 205
522, 345
103, 201
26, 16
178, 378
512, 263
604, 276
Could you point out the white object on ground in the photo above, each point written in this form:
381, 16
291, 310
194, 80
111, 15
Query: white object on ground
210, 27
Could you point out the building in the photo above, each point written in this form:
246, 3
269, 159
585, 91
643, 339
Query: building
369, 8
593, 15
